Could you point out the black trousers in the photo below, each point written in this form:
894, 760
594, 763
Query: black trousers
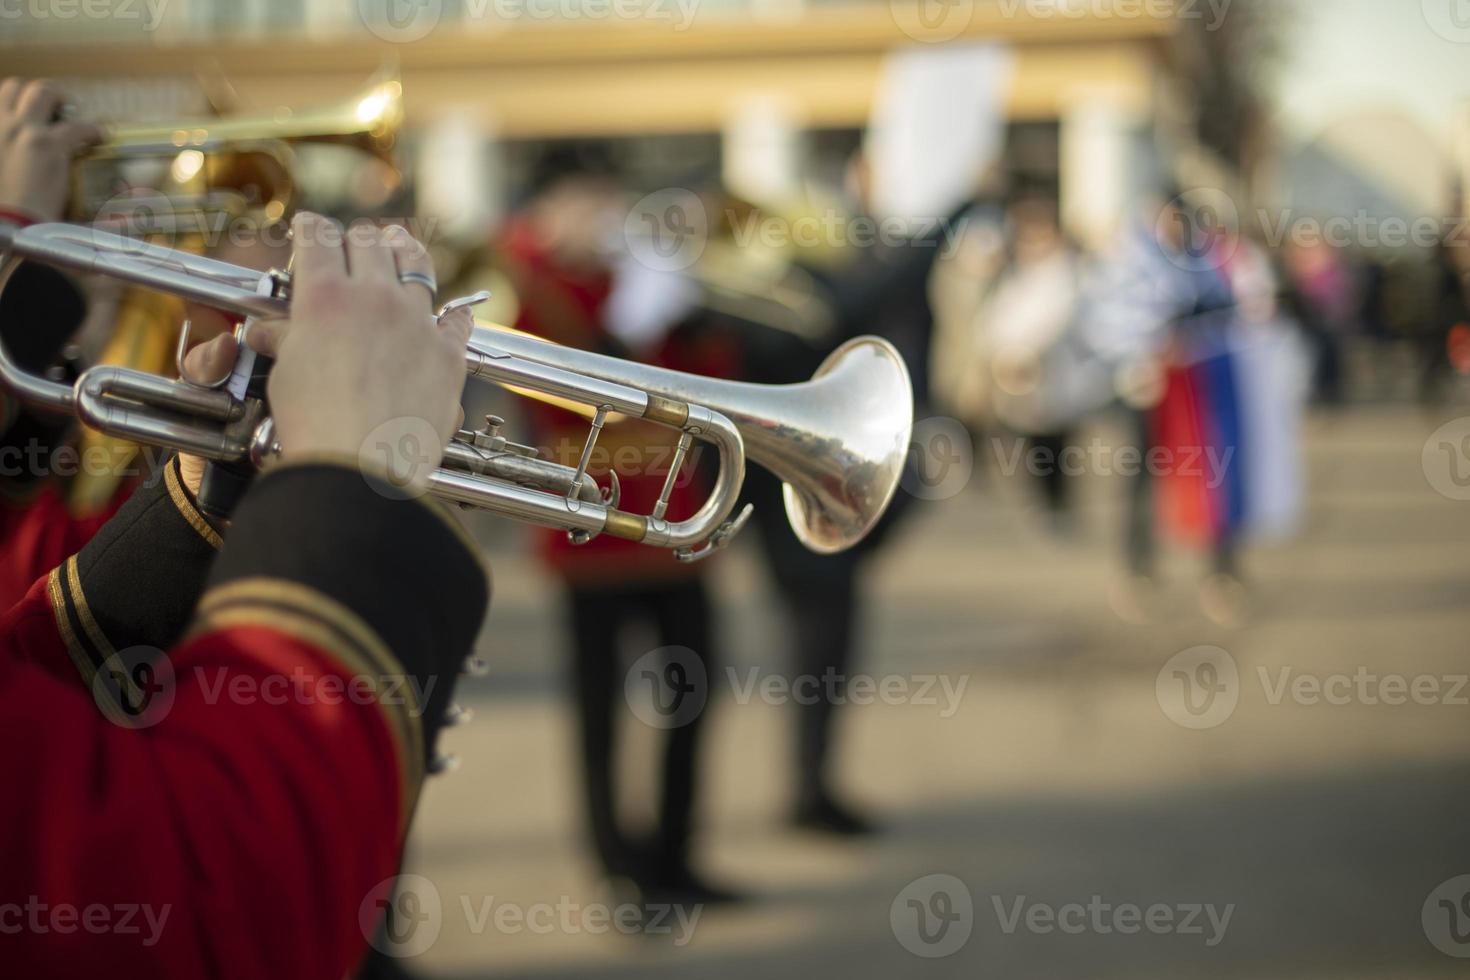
678, 614
1054, 481
822, 615
819, 599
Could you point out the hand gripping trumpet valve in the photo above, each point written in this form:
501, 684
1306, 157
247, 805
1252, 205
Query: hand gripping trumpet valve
838, 442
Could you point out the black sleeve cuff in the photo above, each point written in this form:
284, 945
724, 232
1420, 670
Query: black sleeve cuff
137, 581
404, 569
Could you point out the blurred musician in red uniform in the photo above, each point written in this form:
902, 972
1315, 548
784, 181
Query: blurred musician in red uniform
569, 287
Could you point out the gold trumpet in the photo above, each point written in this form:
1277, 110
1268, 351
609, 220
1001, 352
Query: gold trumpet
207, 157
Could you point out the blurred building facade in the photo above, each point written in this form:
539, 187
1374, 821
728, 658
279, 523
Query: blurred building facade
1090, 84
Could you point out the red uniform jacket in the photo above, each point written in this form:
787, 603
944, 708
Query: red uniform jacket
38, 534
567, 306
225, 802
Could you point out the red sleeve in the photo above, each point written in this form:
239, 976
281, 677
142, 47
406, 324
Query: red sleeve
86, 606
30, 633
227, 808
38, 535
211, 841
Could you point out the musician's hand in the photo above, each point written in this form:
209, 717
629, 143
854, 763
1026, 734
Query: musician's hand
209, 360
36, 149
363, 367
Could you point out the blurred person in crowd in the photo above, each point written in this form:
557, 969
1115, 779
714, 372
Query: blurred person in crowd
882, 289
1447, 343
1025, 330
1156, 309
622, 598
961, 281
1270, 372
1323, 298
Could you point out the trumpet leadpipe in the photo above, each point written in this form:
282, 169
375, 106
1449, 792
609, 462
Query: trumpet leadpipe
838, 442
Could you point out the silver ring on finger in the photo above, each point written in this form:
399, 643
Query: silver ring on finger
422, 279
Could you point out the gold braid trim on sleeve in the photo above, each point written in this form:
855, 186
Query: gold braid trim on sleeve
56, 592
87, 646
187, 508
310, 616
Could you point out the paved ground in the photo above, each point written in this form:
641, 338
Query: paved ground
1321, 829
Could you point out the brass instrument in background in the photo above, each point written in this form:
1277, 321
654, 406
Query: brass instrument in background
777, 294
242, 163
838, 441
209, 172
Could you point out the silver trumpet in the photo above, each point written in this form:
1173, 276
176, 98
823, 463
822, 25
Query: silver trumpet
837, 441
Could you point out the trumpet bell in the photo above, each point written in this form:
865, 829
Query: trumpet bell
861, 401
838, 442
